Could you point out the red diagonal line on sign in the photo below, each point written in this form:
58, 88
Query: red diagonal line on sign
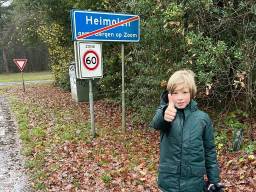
108, 27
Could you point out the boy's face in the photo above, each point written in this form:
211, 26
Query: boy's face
181, 97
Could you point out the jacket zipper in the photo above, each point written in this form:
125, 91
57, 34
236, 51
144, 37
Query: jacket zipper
182, 119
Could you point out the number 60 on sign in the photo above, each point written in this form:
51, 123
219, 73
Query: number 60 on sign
91, 60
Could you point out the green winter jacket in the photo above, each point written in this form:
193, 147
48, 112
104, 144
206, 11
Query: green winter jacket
187, 149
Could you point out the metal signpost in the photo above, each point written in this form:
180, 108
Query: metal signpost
88, 57
21, 63
100, 26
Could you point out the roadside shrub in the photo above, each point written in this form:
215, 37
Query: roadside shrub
60, 54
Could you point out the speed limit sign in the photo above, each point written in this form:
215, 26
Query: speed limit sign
90, 60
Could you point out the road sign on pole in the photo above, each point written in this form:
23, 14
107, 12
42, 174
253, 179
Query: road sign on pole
89, 65
103, 26
21, 63
89, 60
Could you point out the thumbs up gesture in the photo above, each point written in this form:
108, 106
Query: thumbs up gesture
170, 112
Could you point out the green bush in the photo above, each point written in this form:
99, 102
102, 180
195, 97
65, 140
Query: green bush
217, 43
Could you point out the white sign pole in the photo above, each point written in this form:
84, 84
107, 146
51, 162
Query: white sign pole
91, 109
123, 91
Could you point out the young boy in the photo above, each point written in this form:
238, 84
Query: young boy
187, 149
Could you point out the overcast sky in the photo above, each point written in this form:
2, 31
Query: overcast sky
7, 3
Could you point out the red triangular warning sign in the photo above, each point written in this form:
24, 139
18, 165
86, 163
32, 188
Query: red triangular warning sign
20, 63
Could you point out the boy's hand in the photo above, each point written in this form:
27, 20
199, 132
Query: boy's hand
170, 112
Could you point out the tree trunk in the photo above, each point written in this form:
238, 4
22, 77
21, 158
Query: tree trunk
249, 100
5, 62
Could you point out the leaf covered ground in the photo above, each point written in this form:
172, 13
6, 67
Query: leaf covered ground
62, 156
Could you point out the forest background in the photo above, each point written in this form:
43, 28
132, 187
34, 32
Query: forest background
216, 39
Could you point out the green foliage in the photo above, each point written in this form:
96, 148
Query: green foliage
153, 59
217, 43
235, 120
106, 178
250, 148
60, 56
174, 12
221, 140
205, 57
40, 186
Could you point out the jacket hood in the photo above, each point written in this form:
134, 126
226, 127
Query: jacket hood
164, 101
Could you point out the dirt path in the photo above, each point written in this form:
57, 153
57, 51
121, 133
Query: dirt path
12, 173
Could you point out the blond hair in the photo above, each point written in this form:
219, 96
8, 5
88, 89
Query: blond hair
183, 77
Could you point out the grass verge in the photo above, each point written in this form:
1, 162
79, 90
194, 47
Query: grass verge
31, 76
62, 156
42, 131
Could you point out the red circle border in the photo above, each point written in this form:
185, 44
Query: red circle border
97, 64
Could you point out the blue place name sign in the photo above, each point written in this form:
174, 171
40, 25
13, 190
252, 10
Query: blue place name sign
103, 26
